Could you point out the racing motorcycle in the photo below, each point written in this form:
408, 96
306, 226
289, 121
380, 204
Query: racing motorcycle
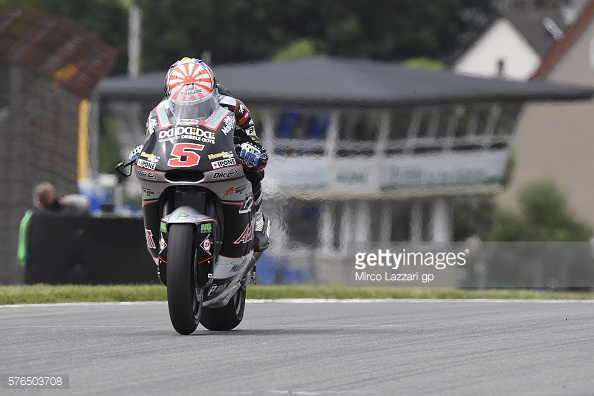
199, 221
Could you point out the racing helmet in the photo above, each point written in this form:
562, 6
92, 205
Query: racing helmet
191, 90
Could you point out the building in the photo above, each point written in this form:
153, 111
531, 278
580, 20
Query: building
362, 151
557, 140
513, 45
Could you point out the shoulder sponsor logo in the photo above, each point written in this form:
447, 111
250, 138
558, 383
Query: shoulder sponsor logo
229, 124
151, 124
251, 131
246, 235
215, 119
223, 163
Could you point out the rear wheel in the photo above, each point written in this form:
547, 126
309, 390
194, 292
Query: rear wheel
184, 298
227, 317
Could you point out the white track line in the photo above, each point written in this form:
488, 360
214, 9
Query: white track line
321, 301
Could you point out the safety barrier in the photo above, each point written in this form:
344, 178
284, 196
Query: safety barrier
84, 250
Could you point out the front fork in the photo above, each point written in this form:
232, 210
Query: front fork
205, 231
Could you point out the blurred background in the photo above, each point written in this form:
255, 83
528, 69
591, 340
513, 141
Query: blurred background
463, 121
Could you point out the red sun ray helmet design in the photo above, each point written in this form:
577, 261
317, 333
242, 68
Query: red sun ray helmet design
191, 89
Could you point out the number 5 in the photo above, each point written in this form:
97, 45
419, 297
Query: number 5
185, 154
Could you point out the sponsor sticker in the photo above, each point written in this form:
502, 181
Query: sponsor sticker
215, 289
206, 244
229, 123
151, 124
149, 157
205, 228
150, 242
247, 204
223, 163
146, 164
246, 235
189, 122
162, 244
187, 132
224, 174
236, 267
222, 154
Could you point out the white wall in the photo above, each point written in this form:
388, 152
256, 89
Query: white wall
501, 41
556, 140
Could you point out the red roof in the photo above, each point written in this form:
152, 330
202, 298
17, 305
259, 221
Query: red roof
55, 47
568, 39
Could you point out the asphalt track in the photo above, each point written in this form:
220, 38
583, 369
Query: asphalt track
308, 348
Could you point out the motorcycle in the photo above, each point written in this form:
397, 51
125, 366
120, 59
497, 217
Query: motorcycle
197, 200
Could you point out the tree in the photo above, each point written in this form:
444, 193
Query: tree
236, 30
543, 215
239, 30
108, 19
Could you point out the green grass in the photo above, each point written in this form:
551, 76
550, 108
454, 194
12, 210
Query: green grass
35, 294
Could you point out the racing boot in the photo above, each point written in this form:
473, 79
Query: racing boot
261, 232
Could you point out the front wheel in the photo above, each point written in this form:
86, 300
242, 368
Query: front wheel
227, 317
184, 298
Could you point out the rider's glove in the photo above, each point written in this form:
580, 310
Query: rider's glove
134, 154
249, 154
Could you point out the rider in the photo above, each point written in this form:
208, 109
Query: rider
190, 84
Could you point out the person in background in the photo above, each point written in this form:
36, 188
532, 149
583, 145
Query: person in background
68, 205
47, 201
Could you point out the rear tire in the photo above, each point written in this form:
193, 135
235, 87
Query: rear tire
184, 298
227, 317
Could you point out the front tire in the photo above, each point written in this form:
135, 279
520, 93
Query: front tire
227, 317
184, 298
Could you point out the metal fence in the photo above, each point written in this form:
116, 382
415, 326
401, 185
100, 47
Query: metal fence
38, 143
48, 65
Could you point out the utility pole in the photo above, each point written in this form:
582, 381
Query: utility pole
135, 40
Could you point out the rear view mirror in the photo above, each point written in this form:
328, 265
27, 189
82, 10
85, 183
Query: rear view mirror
124, 168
